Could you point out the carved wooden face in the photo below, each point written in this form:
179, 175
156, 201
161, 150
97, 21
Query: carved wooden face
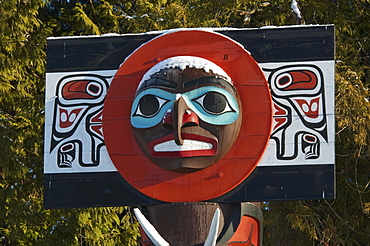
185, 116
185, 119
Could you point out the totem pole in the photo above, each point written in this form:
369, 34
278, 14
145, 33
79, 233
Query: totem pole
187, 127
186, 116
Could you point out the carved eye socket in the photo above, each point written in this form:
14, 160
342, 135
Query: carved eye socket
94, 89
149, 106
214, 103
284, 80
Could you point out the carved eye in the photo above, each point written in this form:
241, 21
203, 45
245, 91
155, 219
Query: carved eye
284, 80
94, 89
149, 106
214, 103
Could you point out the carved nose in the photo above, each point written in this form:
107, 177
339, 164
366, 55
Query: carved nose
180, 116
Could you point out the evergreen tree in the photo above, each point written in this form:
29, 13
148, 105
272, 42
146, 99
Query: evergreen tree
21, 105
23, 221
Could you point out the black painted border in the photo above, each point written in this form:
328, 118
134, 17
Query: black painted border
273, 44
104, 189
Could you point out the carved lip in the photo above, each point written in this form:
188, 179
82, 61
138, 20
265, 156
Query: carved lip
194, 145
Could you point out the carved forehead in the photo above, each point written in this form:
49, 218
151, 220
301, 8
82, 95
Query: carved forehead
181, 63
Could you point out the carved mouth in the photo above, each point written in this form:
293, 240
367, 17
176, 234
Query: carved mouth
194, 145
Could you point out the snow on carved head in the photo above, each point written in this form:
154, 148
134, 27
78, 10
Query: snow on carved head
183, 62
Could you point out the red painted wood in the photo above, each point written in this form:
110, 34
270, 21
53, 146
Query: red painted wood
227, 173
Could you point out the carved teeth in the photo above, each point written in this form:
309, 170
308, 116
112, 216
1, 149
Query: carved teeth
187, 145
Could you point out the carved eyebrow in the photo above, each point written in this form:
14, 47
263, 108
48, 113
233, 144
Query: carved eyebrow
210, 80
157, 82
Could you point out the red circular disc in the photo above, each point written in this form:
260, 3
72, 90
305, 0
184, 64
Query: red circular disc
242, 158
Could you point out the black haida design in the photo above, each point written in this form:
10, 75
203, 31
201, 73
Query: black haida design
77, 119
299, 118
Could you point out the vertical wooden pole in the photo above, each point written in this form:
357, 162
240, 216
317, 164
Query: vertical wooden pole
188, 224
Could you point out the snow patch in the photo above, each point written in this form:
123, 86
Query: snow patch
295, 8
183, 62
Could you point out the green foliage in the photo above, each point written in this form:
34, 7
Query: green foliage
24, 26
21, 120
23, 221
92, 226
